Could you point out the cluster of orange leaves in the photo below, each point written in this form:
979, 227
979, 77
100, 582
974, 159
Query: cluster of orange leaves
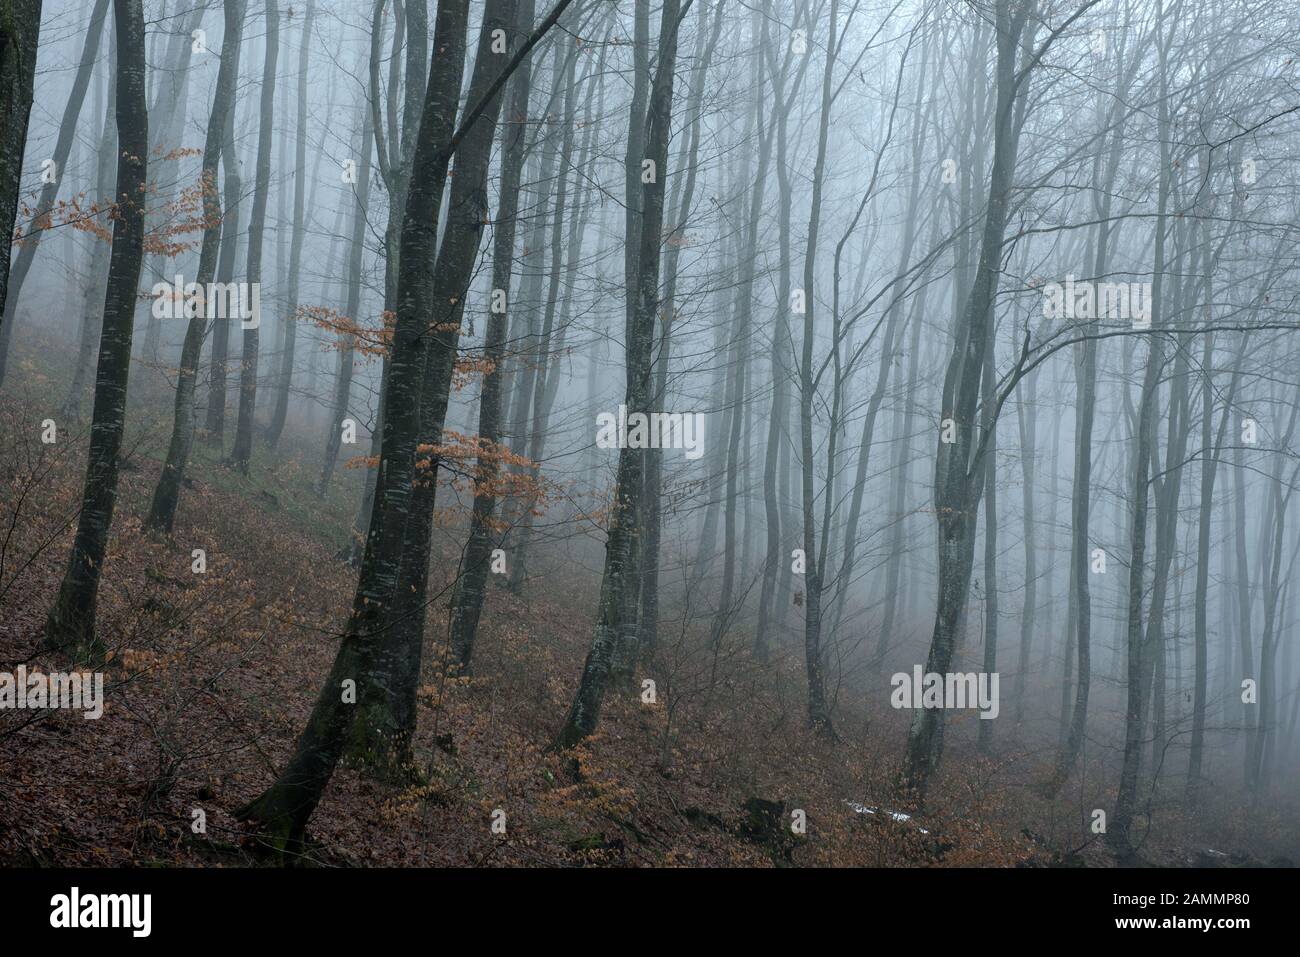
351, 334
177, 217
468, 368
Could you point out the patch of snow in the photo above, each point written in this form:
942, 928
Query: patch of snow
894, 815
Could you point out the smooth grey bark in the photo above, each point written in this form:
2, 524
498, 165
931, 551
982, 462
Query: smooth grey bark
97, 276
984, 737
1027, 422
167, 111
959, 466
395, 172
243, 448
818, 713
19, 64
162, 509
352, 308
681, 205
284, 380
614, 639
219, 355
469, 594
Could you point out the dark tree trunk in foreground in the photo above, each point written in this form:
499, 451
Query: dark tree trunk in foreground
71, 622
396, 173
282, 811
386, 718
162, 511
20, 28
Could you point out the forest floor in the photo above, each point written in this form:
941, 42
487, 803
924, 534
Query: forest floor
212, 676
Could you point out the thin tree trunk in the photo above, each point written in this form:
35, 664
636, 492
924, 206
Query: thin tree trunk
352, 309
218, 358
959, 464
610, 643
243, 449
98, 273
17, 61
284, 382
467, 599
162, 510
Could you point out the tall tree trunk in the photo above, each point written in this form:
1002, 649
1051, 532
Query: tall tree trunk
1080, 591
683, 197
1026, 420
959, 464
243, 449
352, 309
167, 112
539, 364
612, 644
1139, 638
889, 344
774, 559
71, 622
989, 425
284, 382
818, 714
742, 333
396, 175
219, 356
97, 276
467, 599
386, 719
282, 811
162, 510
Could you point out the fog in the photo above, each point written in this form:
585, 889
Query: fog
918, 377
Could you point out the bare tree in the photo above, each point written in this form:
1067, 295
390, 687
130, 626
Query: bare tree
71, 622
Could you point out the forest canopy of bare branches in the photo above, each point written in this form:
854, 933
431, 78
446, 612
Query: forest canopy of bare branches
650, 432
